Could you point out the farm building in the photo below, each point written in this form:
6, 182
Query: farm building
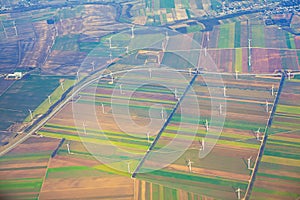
14, 76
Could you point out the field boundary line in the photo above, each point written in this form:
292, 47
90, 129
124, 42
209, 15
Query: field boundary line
164, 126
263, 144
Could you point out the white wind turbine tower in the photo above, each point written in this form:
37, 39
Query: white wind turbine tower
220, 109
128, 167
49, 99
162, 113
30, 112
238, 193
289, 75
249, 163
190, 71
132, 32
206, 125
68, 148
176, 94
224, 90
163, 45
127, 50
121, 90
167, 36
93, 65
148, 136
62, 86
84, 129
77, 74
236, 74
110, 57
272, 90
249, 53
258, 134
103, 110
158, 58
165, 42
189, 164
202, 144
109, 41
150, 72
267, 106
205, 51
111, 79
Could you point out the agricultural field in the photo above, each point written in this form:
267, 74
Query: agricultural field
28, 93
23, 169
278, 173
29, 40
224, 169
150, 191
271, 48
105, 96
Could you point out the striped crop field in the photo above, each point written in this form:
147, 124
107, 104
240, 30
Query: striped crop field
24, 168
225, 168
278, 174
110, 100
227, 36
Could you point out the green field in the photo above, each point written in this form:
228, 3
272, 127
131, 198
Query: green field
66, 43
54, 97
258, 35
28, 93
227, 36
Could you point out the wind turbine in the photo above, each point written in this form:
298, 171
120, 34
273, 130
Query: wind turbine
132, 32
205, 51
103, 110
109, 40
93, 65
190, 71
249, 163
62, 86
77, 74
128, 167
236, 74
289, 75
162, 113
110, 57
150, 72
238, 193
257, 134
189, 164
30, 112
249, 53
175, 94
111, 79
224, 90
49, 99
84, 129
163, 46
148, 136
167, 36
127, 50
272, 90
202, 145
68, 147
206, 125
220, 109
267, 106
158, 58
121, 91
